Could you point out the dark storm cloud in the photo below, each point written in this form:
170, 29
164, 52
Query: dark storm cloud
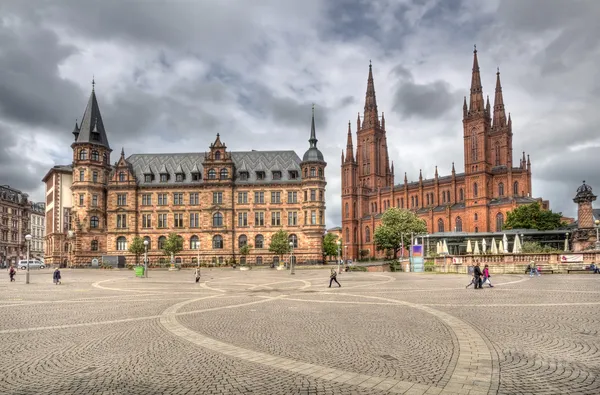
429, 101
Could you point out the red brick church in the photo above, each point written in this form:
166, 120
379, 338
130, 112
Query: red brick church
475, 200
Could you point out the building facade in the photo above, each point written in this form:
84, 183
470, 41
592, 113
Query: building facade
217, 201
14, 225
38, 229
475, 200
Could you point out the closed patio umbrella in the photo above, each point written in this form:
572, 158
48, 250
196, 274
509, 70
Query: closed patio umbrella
505, 244
476, 252
494, 247
469, 247
445, 247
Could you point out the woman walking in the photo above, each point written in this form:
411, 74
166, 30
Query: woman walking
332, 278
486, 276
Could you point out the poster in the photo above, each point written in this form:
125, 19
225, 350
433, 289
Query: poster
571, 258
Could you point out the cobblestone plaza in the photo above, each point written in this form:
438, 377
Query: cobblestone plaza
267, 332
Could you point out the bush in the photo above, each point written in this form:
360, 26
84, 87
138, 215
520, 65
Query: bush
531, 247
357, 269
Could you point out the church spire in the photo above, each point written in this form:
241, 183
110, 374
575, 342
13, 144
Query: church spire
476, 88
313, 135
371, 116
91, 129
349, 147
499, 114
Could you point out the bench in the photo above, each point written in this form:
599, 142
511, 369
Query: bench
579, 268
543, 269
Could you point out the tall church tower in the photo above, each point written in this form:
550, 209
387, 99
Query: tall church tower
91, 168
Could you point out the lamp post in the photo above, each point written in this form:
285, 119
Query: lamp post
597, 222
146, 258
292, 257
28, 238
427, 238
339, 258
70, 235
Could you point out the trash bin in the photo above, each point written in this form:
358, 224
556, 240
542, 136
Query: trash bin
139, 271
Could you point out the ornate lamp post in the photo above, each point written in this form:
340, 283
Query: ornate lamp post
28, 238
339, 258
146, 258
292, 257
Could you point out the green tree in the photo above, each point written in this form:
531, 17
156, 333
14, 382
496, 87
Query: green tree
172, 246
280, 244
532, 216
245, 250
396, 228
137, 248
330, 247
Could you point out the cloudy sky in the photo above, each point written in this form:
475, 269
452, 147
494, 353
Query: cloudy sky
171, 74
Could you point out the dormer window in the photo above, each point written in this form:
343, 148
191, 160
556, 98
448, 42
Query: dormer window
244, 175
277, 175
164, 177
121, 176
293, 174
196, 176
179, 177
260, 175
212, 174
147, 177
95, 136
218, 155
224, 174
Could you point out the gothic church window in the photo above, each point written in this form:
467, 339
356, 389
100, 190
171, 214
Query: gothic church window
461, 195
440, 225
499, 222
347, 234
501, 189
474, 145
458, 226
347, 211
367, 235
475, 190
497, 154
516, 188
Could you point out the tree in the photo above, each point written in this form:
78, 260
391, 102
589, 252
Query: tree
245, 250
532, 216
330, 247
137, 248
172, 246
279, 244
396, 228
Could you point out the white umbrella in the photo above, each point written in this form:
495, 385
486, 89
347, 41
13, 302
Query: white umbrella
566, 244
469, 247
438, 248
476, 252
517, 245
505, 244
483, 246
494, 247
445, 248
501, 247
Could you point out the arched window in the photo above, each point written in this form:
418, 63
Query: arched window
83, 154
499, 222
443, 196
475, 216
347, 211
313, 172
146, 238
412, 201
355, 236
217, 242
458, 224
320, 173
475, 190
121, 176
476, 229
259, 260
242, 241
105, 158
448, 196
501, 189
94, 222
217, 219
497, 148
212, 174
66, 246
367, 235
516, 188
354, 210
417, 201
259, 241
218, 155
440, 225
94, 246
347, 234
95, 155
474, 145
461, 195
294, 240
194, 243
428, 202
224, 174
121, 243
161, 242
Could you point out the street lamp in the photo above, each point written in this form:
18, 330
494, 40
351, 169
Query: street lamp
146, 258
597, 222
28, 238
339, 258
292, 257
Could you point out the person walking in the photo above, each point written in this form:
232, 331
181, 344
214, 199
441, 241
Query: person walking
477, 275
197, 275
56, 276
332, 278
486, 276
11, 273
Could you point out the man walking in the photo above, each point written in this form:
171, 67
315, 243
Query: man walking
477, 274
11, 273
332, 278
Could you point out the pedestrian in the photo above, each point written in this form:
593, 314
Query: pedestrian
332, 278
477, 275
197, 274
486, 276
11, 273
533, 269
56, 276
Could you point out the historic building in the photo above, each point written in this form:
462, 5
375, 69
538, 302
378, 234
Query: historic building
37, 229
217, 201
14, 225
475, 200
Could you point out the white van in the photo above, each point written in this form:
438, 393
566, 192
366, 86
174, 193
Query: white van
33, 264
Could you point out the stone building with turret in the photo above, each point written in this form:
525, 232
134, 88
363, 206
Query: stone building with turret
217, 201
474, 200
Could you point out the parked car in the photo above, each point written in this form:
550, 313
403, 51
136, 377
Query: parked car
33, 264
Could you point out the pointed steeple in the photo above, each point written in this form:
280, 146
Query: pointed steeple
476, 104
420, 175
453, 171
371, 116
499, 114
382, 121
76, 130
342, 157
217, 143
122, 153
313, 154
436, 172
465, 108
392, 169
405, 178
358, 122
91, 129
509, 120
313, 135
349, 146
487, 105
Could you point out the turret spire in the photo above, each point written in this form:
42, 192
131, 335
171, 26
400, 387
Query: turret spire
76, 130
349, 147
371, 117
499, 114
313, 135
313, 154
476, 104
91, 129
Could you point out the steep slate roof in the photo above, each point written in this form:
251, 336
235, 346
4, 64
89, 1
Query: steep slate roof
250, 161
92, 125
